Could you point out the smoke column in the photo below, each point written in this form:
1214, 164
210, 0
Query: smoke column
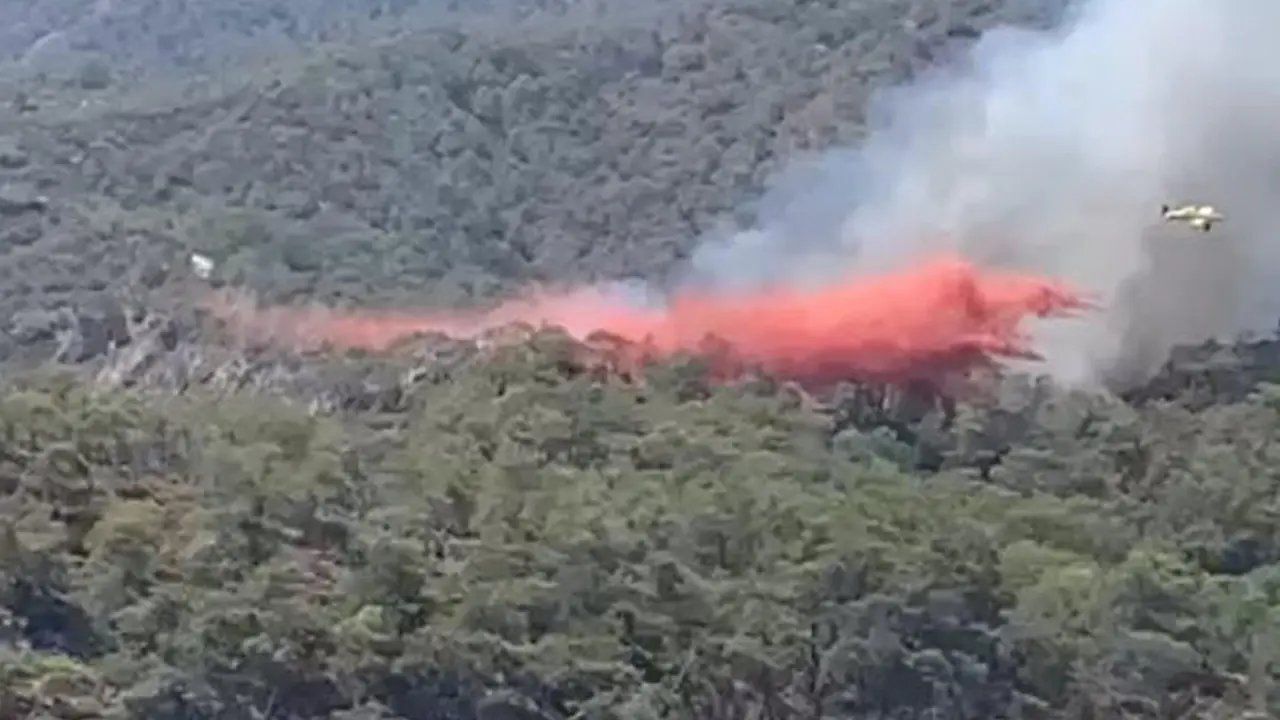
1045, 154
1052, 152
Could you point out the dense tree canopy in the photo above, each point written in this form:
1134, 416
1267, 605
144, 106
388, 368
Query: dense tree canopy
191, 531
527, 537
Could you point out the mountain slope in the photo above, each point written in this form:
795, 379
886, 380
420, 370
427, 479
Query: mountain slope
453, 157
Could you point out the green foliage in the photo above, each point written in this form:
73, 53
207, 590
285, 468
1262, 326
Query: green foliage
603, 549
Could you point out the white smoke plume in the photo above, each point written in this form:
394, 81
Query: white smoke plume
1053, 151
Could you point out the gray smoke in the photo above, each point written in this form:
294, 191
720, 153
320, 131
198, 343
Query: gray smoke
1052, 152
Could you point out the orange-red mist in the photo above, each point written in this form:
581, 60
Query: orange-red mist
940, 316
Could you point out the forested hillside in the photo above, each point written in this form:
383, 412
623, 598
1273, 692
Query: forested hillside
195, 529
513, 535
445, 160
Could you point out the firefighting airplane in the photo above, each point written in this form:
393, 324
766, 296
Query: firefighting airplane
1200, 217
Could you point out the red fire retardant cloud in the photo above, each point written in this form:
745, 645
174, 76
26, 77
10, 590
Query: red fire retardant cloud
938, 317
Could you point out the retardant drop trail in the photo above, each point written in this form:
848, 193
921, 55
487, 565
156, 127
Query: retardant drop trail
939, 317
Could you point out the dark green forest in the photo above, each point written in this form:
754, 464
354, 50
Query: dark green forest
195, 530
517, 534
